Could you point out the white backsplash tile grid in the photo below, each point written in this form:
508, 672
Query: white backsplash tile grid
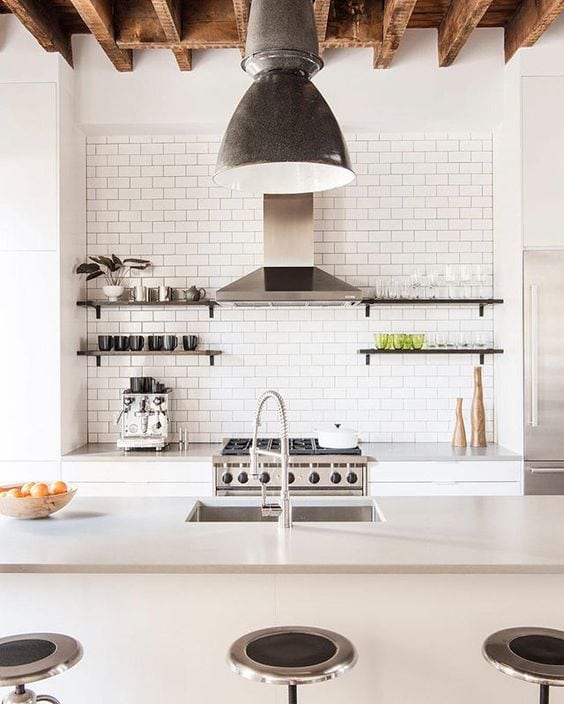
419, 200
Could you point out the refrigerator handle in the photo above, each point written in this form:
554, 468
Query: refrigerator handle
534, 415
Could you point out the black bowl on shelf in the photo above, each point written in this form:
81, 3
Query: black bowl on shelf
170, 342
136, 343
121, 343
155, 342
105, 343
190, 342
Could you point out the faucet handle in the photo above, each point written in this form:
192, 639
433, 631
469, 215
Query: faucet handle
271, 510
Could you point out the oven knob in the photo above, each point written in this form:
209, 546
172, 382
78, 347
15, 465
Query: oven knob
335, 478
264, 477
352, 478
314, 478
243, 478
227, 478
291, 477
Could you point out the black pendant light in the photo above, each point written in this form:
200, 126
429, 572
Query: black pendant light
283, 136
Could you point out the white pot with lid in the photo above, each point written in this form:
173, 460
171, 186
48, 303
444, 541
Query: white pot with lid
337, 438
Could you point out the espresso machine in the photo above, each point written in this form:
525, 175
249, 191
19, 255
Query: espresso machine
144, 418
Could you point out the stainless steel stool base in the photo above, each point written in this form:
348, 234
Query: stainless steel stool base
21, 695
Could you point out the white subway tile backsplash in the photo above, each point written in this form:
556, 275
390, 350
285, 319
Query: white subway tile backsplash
419, 201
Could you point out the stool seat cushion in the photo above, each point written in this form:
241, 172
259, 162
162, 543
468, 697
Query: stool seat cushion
36, 656
292, 655
532, 654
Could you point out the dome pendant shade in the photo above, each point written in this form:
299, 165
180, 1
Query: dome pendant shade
283, 138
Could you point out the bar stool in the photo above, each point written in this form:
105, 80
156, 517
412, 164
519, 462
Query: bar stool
291, 656
532, 654
32, 657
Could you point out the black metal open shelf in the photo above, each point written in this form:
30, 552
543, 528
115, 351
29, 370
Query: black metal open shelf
149, 353
482, 351
480, 302
99, 304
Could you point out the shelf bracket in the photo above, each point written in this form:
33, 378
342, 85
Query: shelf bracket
367, 360
481, 359
367, 310
212, 360
98, 360
211, 311
481, 310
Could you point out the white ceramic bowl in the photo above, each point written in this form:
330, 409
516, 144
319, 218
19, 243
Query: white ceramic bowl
337, 438
29, 507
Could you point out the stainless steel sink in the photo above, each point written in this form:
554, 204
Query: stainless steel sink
349, 510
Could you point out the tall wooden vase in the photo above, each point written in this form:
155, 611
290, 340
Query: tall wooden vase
459, 435
478, 416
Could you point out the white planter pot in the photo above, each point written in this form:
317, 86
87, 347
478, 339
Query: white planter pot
113, 292
337, 438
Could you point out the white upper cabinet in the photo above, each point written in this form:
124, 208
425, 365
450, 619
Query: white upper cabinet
28, 167
543, 161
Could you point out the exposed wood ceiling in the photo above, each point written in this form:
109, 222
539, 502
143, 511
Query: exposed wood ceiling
181, 26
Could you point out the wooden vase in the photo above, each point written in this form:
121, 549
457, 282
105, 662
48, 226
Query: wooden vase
478, 416
459, 435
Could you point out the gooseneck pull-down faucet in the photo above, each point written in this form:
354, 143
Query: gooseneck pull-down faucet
284, 508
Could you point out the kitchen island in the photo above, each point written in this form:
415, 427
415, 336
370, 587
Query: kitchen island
157, 601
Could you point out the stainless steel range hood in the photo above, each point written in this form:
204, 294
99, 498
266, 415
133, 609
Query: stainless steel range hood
289, 277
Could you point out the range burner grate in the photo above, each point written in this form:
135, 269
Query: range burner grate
297, 446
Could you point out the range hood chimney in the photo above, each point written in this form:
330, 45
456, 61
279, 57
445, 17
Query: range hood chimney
289, 277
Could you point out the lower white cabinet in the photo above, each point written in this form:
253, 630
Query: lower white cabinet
140, 478
463, 478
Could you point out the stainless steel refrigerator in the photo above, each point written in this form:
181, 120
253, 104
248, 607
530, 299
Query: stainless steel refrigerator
544, 371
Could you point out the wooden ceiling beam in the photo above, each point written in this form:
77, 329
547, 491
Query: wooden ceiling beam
396, 17
321, 10
97, 15
241, 10
43, 24
460, 21
170, 16
528, 23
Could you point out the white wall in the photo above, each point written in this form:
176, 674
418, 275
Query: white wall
415, 95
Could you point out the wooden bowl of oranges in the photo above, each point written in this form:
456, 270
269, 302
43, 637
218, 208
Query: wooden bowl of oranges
34, 499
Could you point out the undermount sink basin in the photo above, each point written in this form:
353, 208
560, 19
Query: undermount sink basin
227, 510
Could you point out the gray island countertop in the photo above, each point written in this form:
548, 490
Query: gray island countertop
451, 535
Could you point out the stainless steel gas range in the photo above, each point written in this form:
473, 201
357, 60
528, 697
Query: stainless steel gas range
313, 470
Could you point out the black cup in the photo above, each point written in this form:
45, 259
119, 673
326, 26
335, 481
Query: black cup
161, 388
189, 342
137, 384
155, 342
136, 343
105, 343
121, 343
170, 342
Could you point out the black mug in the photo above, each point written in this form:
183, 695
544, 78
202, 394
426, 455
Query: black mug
105, 343
121, 343
137, 384
170, 342
189, 342
155, 342
136, 343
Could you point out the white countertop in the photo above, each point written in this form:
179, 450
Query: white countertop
378, 451
483, 535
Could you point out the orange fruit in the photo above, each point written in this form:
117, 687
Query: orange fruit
58, 487
38, 490
26, 488
15, 493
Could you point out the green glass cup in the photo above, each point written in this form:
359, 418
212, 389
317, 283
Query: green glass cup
418, 341
398, 341
407, 341
381, 340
